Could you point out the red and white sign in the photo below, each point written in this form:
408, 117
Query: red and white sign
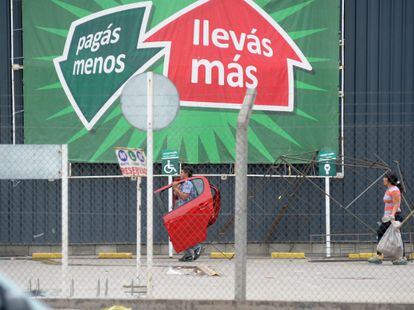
132, 162
215, 49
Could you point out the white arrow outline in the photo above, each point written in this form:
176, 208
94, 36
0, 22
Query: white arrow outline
140, 45
303, 63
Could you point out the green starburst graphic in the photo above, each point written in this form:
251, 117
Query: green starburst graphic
201, 135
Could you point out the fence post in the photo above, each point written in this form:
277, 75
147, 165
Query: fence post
65, 220
240, 225
149, 180
138, 232
328, 217
170, 207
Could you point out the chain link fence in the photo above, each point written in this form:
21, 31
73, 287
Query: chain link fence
290, 256
308, 237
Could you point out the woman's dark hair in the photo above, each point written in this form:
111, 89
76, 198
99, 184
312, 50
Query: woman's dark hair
188, 171
393, 179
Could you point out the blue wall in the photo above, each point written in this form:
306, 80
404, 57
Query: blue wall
379, 119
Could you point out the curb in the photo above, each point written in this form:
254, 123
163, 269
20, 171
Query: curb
46, 255
222, 255
293, 255
104, 255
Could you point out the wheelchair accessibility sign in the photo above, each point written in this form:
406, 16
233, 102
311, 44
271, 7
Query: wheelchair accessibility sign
132, 162
170, 163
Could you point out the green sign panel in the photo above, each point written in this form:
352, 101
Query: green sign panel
99, 57
170, 163
327, 166
79, 54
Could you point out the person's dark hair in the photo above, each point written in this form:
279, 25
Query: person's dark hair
393, 179
188, 171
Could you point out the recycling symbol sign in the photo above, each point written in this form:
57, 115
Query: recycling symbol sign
327, 163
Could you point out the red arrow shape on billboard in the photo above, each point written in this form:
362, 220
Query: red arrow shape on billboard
215, 49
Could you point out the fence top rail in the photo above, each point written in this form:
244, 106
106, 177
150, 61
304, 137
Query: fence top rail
206, 175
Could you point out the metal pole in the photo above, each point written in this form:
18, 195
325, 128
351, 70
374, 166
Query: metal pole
407, 203
240, 225
365, 190
407, 218
170, 206
342, 86
333, 199
12, 71
65, 220
328, 217
138, 225
149, 181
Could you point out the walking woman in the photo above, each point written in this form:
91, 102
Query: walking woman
392, 212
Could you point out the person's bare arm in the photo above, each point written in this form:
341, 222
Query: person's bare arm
181, 195
396, 201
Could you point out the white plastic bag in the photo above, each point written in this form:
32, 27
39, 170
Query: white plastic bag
391, 244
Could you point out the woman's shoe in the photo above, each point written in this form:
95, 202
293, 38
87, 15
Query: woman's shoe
197, 252
376, 259
187, 257
400, 261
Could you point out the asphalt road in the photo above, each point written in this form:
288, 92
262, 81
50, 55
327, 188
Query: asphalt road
268, 279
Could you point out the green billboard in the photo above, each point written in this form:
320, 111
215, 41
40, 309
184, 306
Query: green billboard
79, 54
